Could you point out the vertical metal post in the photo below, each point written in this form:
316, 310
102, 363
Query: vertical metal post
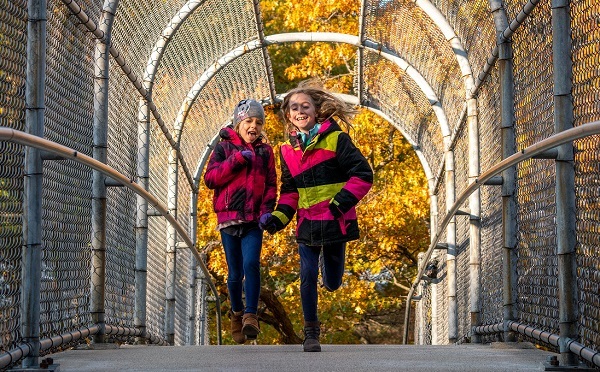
100, 144
433, 202
509, 205
141, 222
192, 299
451, 254
419, 313
475, 220
171, 255
565, 180
202, 308
193, 272
203, 323
32, 199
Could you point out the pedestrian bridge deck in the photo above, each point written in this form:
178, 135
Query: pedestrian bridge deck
467, 357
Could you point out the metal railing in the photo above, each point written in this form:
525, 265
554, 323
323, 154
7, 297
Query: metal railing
12, 135
539, 148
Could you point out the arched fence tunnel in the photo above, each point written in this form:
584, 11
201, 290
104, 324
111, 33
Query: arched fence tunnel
499, 100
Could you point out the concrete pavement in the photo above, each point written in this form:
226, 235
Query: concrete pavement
467, 357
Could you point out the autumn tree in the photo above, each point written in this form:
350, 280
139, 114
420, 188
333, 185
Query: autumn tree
393, 216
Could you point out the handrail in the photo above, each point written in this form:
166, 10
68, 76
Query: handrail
23, 350
527, 153
13, 135
577, 348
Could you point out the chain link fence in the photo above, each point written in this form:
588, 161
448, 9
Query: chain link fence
169, 50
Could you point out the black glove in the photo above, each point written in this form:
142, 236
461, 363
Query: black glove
268, 223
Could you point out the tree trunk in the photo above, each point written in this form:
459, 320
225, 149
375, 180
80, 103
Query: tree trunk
278, 318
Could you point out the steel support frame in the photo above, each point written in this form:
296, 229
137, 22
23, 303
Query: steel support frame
99, 151
565, 182
31, 267
509, 207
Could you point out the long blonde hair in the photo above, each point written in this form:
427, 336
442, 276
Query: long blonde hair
326, 104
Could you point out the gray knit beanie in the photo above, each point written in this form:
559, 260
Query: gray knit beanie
248, 108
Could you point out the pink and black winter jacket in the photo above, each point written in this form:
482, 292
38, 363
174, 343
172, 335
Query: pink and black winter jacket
244, 190
329, 168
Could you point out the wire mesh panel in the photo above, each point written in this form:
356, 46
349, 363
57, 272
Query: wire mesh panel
13, 23
183, 262
537, 262
398, 96
211, 31
463, 274
472, 22
426, 304
413, 36
586, 82
155, 297
66, 199
121, 203
491, 203
441, 292
242, 78
441, 300
138, 26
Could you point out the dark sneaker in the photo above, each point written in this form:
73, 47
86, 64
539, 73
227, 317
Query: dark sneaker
312, 331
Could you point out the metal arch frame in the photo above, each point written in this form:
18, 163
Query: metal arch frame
310, 37
354, 100
426, 89
147, 102
388, 54
193, 4
474, 200
460, 54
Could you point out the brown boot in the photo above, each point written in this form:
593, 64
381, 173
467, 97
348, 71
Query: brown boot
236, 326
251, 328
312, 331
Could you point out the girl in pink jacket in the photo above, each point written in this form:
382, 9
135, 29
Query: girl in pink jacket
241, 171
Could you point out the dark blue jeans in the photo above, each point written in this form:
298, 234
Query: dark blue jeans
332, 270
243, 264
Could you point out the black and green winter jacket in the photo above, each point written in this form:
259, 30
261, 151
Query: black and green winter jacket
330, 169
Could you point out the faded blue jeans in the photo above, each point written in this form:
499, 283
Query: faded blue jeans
331, 263
243, 264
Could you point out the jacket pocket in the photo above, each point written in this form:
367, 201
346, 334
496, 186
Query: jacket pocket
342, 222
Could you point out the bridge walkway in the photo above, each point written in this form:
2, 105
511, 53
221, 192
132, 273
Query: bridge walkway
289, 358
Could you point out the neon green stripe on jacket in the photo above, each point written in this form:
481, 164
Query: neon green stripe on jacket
327, 143
313, 195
